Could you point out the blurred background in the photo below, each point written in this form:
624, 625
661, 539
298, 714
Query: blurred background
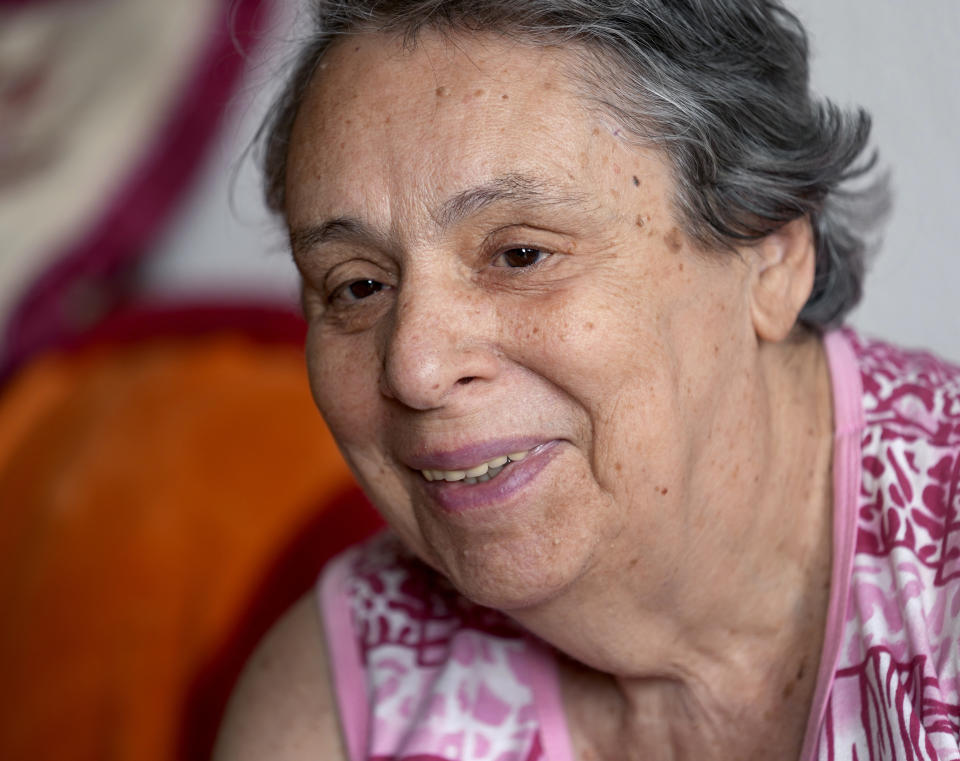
166, 487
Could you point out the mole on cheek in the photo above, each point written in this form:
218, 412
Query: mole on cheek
636, 181
672, 239
442, 92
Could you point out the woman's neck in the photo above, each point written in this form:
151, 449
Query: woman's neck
728, 660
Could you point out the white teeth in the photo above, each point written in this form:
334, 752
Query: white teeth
482, 472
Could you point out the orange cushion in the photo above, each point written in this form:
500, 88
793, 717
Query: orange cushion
144, 488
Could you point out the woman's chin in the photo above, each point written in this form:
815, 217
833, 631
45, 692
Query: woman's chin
512, 575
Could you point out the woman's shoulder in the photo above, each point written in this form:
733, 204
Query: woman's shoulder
909, 453
910, 391
283, 706
910, 445
900, 627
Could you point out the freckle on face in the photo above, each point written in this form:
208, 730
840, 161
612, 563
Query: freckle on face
672, 240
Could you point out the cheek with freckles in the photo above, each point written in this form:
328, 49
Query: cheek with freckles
345, 406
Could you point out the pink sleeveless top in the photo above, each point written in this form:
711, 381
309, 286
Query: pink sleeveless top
421, 674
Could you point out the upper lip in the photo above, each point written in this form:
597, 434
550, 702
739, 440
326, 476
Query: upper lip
471, 455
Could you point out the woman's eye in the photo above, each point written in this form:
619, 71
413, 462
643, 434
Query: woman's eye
522, 256
357, 290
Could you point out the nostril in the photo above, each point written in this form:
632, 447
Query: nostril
465, 381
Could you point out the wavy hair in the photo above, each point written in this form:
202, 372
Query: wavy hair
721, 86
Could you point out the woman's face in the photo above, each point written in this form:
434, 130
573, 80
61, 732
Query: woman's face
490, 272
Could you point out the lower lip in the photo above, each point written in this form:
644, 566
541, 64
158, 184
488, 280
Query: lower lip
461, 497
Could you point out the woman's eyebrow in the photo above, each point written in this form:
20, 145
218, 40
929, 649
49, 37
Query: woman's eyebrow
512, 188
519, 189
303, 239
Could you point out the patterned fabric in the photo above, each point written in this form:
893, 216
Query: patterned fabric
443, 678
895, 687
423, 675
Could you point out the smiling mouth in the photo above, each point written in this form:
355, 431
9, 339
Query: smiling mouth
477, 474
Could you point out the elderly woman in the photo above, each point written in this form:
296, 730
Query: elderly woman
571, 271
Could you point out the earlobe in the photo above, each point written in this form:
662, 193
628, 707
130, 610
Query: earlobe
782, 278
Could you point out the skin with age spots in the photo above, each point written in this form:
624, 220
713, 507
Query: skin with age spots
673, 240
487, 268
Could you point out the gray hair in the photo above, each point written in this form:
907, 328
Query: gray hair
721, 86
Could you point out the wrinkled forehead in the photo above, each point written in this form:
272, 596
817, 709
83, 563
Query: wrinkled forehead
434, 69
384, 124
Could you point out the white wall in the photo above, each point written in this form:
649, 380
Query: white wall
900, 60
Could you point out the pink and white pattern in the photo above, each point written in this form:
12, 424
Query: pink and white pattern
423, 675
444, 679
895, 686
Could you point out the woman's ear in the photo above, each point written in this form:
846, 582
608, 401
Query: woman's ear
783, 268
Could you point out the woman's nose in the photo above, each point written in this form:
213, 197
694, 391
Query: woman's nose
440, 341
